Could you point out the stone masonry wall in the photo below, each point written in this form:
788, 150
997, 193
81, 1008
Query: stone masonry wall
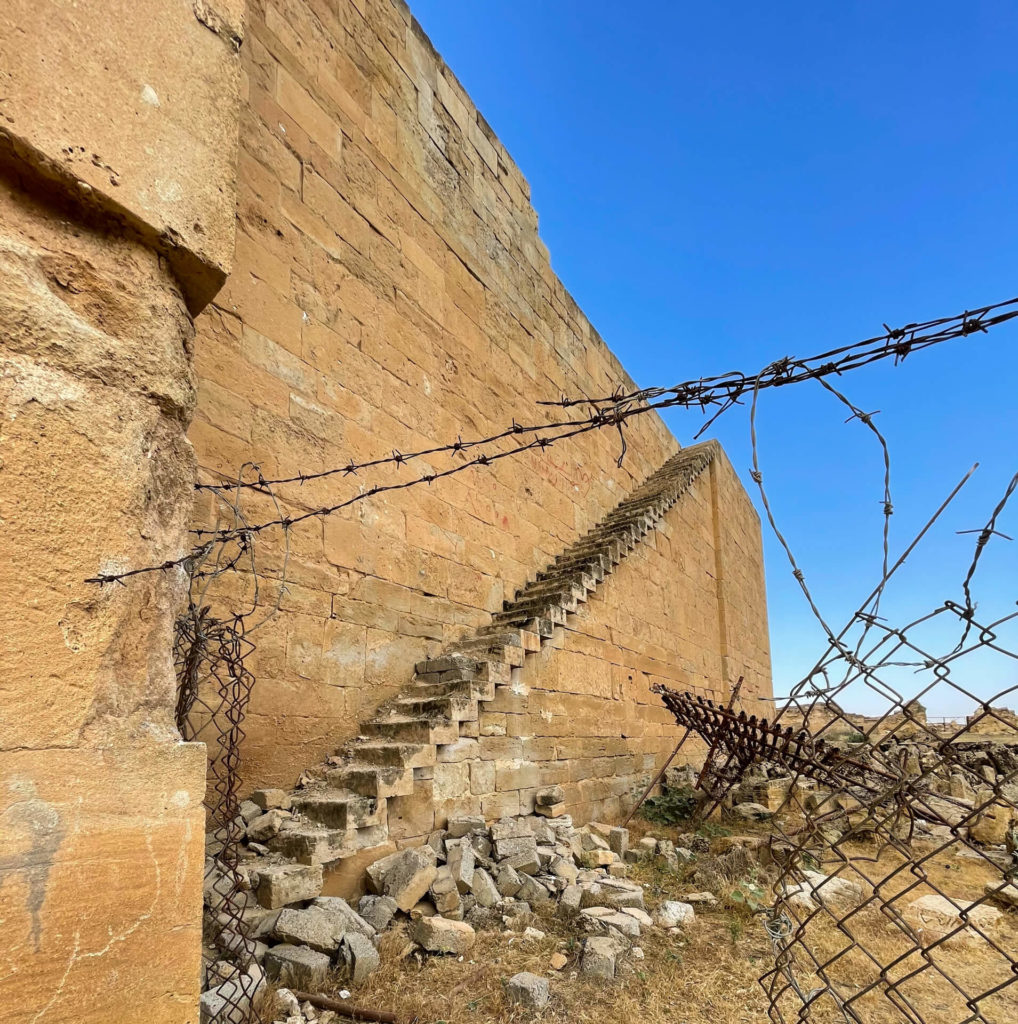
115, 226
581, 714
391, 292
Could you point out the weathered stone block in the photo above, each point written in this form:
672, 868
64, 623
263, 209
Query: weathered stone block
405, 876
297, 966
281, 884
528, 990
440, 935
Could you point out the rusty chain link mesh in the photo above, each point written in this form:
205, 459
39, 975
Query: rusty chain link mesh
214, 688
894, 848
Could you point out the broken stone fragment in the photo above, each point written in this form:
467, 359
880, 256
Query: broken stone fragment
345, 918
598, 959
268, 799
405, 876
622, 923
752, 812
281, 884
551, 810
311, 927
1007, 894
526, 863
570, 899
618, 841
233, 996
248, 811
672, 914
510, 828
377, 911
440, 935
550, 795
640, 915
484, 889
514, 846
266, 825
360, 956
528, 990
597, 858
507, 880
297, 966
557, 961
533, 891
425, 908
460, 862
463, 825
592, 841
940, 917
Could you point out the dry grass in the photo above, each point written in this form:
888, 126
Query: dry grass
707, 975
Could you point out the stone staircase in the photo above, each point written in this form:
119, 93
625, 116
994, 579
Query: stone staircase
341, 807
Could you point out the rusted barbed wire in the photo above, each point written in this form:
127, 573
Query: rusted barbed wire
724, 391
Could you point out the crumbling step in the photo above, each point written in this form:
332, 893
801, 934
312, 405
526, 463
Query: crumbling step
374, 780
402, 728
338, 808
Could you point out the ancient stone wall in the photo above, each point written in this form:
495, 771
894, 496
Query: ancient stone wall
116, 196
391, 292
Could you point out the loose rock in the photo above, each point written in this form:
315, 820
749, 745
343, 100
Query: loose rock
528, 990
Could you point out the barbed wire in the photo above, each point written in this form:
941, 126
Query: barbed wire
723, 392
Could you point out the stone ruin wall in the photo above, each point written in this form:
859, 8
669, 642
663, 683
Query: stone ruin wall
391, 292
117, 155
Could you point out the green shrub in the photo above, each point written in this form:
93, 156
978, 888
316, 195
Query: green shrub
671, 807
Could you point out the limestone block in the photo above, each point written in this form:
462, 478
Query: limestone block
598, 958
460, 860
297, 966
345, 917
405, 876
439, 935
360, 957
311, 927
528, 990
280, 884
483, 888
673, 914
268, 799
935, 917
462, 825
507, 880
378, 911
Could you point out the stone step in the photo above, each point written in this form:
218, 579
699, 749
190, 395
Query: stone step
339, 808
453, 709
403, 728
390, 752
474, 689
307, 843
525, 611
375, 780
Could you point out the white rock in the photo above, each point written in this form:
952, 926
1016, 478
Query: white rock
671, 914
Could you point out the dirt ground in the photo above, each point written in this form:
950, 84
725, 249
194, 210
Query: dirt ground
710, 973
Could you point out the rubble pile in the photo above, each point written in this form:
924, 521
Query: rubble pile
971, 793
470, 877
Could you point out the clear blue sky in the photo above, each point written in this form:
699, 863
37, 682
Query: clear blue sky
723, 184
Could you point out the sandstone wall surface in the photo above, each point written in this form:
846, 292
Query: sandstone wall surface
391, 292
115, 222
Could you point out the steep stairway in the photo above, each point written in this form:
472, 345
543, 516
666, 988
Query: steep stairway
342, 805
